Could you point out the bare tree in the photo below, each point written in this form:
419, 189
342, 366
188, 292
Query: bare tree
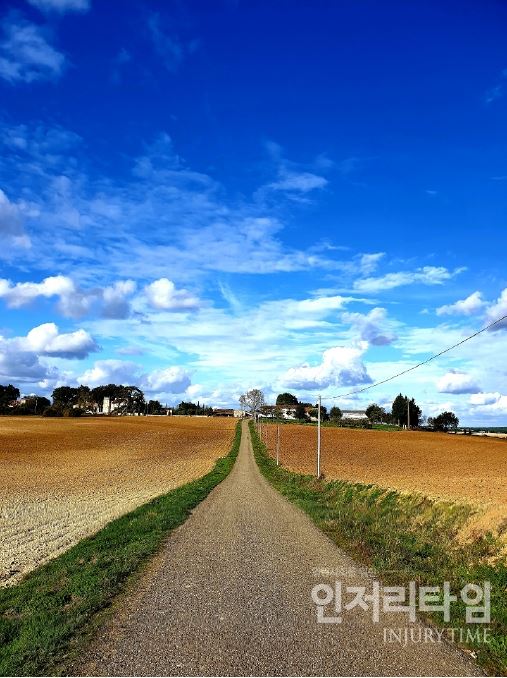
253, 400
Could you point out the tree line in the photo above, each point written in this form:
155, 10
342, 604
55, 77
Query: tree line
69, 401
402, 409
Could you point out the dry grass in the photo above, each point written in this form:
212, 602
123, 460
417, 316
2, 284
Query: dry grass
438, 465
63, 479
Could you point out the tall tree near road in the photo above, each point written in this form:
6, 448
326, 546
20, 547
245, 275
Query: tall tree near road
401, 404
254, 400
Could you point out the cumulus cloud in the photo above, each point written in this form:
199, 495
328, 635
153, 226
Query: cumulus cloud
116, 303
166, 380
485, 398
427, 275
18, 365
372, 327
47, 340
22, 294
113, 301
22, 358
469, 306
457, 382
340, 366
25, 54
497, 310
489, 403
162, 294
61, 6
110, 371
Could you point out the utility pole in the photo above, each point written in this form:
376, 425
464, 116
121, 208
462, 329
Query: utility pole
318, 436
408, 414
278, 444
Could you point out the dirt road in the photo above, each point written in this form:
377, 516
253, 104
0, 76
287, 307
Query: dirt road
231, 595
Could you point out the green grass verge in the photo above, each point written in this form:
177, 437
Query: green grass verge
45, 618
403, 537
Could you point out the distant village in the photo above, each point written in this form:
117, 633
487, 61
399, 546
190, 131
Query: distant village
120, 400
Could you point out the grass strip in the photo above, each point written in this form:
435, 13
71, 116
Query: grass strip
45, 618
404, 537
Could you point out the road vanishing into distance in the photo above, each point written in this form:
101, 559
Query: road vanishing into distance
230, 594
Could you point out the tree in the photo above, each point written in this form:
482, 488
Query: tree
335, 414
191, 409
254, 400
286, 400
33, 405
154, 407
129, 400
300, 412
8, 395
400, 407
444, 421
84, 398
108, 391
64, 397
375, 413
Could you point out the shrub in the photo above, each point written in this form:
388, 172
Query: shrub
73, 412
52, 411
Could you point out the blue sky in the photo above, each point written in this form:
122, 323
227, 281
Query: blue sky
202, 198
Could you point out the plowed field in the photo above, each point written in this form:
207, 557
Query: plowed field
63, 479
460, 468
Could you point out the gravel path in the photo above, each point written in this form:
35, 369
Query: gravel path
230, 595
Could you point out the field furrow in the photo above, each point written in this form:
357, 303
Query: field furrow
64, 479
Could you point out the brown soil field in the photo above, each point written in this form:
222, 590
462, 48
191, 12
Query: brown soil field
64, 479
465, 469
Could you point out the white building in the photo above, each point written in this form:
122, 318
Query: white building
358, 415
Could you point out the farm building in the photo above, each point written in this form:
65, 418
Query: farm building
354, 414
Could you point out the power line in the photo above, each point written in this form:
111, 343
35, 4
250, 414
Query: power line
414, 367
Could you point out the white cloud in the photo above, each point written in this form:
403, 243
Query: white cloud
116, 303
110, 371
302, 182
11, 222
25, 54
427, 275
320, 305
21, 294
162, 294
166, 215
340, 366
22, 359
168, 380
372, 327
498, 310
47, 340
113, 300
18, 365
469, 306
485, 398
61, 6
457, 382
369, 262
489, 404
